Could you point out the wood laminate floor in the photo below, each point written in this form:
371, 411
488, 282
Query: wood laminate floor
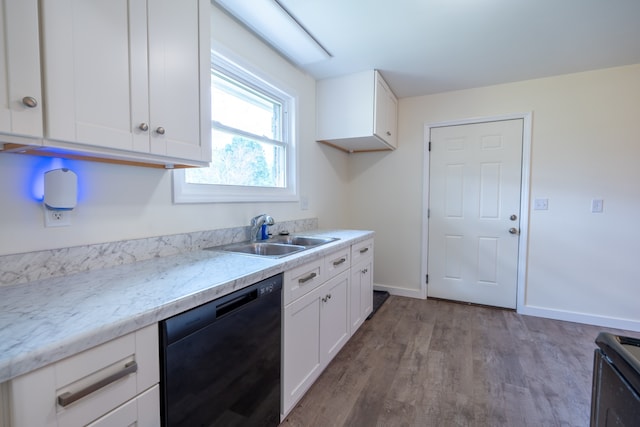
438, 363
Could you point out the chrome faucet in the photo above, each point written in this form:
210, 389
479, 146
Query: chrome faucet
256, 225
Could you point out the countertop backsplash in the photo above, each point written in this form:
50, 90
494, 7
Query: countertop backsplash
31, 266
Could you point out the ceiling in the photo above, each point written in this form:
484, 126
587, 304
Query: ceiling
429, 46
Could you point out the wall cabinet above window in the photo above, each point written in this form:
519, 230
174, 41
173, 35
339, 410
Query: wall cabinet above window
125, 81
357, 113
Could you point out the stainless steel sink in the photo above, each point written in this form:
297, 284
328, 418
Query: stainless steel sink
276, 247
274, 250
306, 241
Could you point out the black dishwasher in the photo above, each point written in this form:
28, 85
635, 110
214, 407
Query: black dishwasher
220, 362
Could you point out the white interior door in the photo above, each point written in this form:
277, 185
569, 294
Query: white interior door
474, 203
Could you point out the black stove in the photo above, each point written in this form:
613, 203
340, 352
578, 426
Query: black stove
616, 381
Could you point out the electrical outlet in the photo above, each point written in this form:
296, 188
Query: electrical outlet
304, 203
56, 218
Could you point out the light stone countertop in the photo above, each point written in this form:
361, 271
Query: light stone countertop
47, 320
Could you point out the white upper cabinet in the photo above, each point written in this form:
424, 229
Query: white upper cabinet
386, 113
20, 88
128, 79
357, 113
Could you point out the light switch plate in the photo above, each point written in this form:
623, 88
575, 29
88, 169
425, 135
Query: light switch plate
541, 204
597, 205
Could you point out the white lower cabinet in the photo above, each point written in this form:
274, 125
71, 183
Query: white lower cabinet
320, 302
316, 326
334, 317
115, 383
361, 295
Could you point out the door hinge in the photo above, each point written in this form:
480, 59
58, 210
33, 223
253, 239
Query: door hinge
429, 145
428, 213
427, 279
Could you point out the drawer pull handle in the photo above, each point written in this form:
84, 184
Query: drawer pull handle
363, 250
340, 261
66, 399
306, 279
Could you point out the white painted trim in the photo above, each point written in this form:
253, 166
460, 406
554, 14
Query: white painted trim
524, 197
402, 292
589, 319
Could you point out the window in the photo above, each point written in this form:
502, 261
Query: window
253, 152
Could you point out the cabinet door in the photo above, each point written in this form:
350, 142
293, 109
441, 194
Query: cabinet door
361, 295
392, 118
366, 288
334, 317
301, 359
386, 113
95, 69
179, 61
20, 68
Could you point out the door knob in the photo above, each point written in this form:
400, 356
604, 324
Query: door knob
514, 230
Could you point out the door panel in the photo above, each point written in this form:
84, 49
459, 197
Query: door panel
475, 174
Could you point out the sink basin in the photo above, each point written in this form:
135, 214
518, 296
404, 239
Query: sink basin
306, 241
274, 250
277, 246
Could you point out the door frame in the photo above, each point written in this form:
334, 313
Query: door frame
524, 197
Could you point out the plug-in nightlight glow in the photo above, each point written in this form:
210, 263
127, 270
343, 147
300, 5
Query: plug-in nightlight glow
60, 189
42, 165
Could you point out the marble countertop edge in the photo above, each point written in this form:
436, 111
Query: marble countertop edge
119, 300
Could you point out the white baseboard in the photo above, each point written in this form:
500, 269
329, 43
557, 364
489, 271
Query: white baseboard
589, 319
402, 292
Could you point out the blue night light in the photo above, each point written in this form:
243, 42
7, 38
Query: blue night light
42, 165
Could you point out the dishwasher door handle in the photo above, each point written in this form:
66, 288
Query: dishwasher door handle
235, 303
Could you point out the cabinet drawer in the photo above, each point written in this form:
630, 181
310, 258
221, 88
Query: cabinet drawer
361, 250
143, 411
301, 280
337, 262
84, 387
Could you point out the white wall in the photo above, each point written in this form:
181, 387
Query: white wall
124, 202
585, 144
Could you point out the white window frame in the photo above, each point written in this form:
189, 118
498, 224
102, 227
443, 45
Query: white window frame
184, 192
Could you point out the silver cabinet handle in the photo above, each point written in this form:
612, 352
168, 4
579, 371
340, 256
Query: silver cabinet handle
340, 261
388, 133
143, 127
66, 399
160, 130
306, 279
365, 271
326, 298
363, 250
514, 230
30, 101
